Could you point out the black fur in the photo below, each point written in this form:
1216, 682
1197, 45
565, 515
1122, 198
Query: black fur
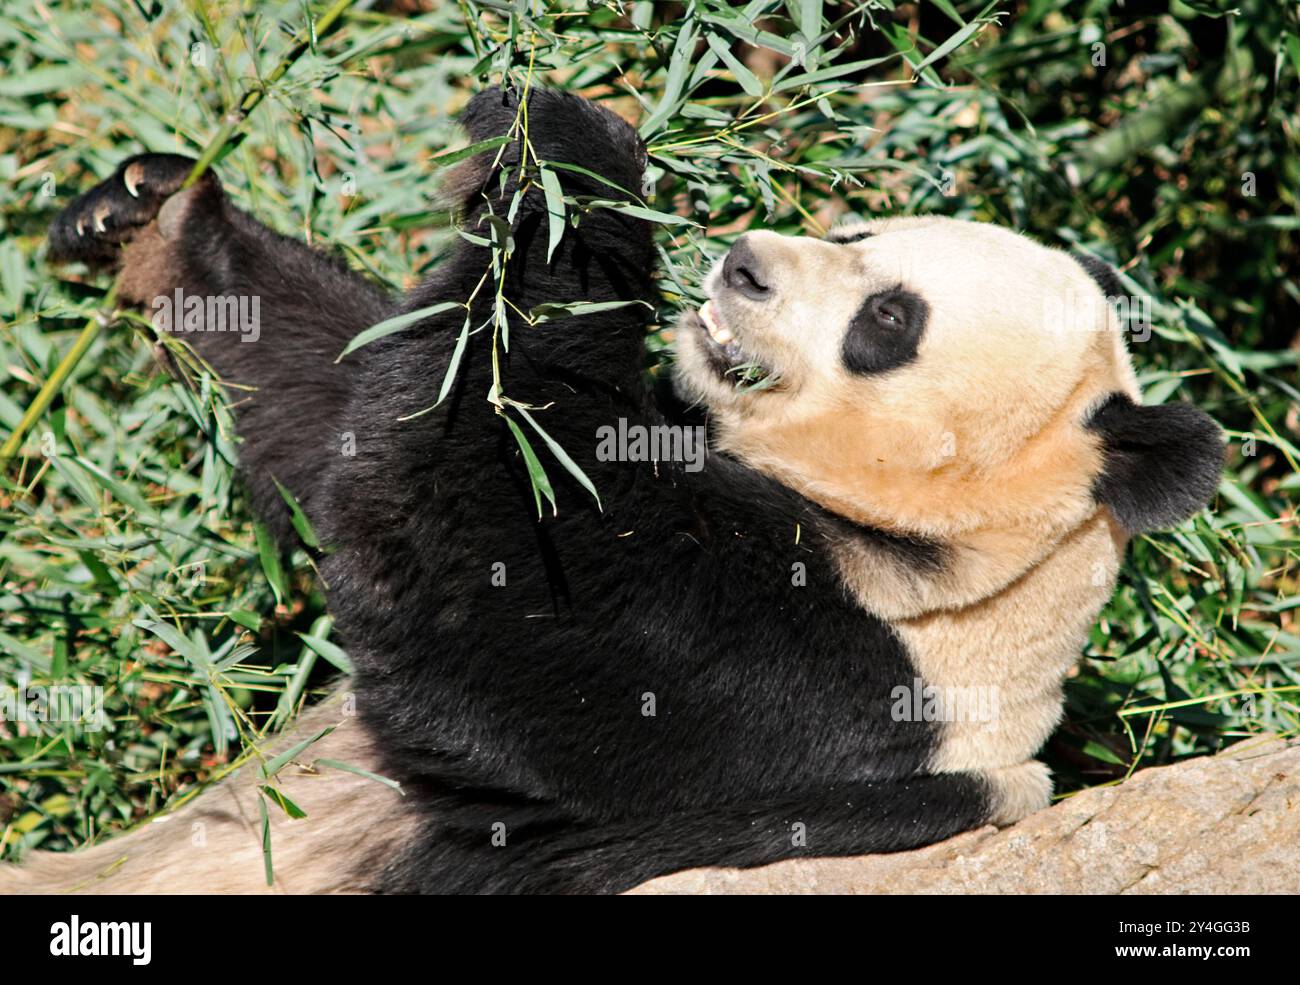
1162, 463
1102, 272
885, 332
917, 554
841, 238
523, 706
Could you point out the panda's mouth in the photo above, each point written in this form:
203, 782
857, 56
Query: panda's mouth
726, 357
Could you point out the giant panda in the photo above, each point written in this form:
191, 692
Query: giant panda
916, 481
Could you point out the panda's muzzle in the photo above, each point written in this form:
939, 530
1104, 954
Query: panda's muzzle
725, 355
736, 283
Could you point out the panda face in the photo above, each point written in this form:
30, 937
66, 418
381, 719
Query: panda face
924, 375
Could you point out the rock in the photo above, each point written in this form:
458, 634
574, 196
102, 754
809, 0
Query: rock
1218, 824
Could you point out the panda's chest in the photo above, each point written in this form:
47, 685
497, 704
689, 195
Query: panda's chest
996, 668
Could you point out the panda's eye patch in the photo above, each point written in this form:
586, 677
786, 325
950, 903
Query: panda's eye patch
885, 332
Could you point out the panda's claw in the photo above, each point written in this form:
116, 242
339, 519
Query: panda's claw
133, 178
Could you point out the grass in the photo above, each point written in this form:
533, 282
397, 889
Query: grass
129, 560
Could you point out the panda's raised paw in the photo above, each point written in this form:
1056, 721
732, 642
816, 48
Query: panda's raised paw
93, 226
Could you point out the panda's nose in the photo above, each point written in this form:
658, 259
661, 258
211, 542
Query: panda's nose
742, 271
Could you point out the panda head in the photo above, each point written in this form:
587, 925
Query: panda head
939, 379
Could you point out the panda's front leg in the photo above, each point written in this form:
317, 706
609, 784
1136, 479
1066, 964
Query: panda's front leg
267, 312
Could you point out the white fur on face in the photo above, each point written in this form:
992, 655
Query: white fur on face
1015, 333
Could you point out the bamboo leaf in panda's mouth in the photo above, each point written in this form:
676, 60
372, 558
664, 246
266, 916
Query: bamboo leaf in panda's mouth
752, 377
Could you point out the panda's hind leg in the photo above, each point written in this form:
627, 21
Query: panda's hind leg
268, 313
1017, 791
543, 856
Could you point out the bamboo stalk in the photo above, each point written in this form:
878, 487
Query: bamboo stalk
229, 131
55, 381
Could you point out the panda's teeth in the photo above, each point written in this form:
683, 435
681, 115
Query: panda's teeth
720, 333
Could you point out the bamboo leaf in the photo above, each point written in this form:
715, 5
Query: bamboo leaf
349, 768
330, 651
298, 518
281, 800
480, 147
679, 64
274, 765
563, 456
536, 474
554, 210
268, 553
552, 311
395, 324
265, 818
748, 81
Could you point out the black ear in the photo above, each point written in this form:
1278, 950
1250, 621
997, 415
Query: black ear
1162, 463
1102, 272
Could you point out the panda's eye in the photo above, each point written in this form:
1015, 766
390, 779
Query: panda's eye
886, 331
888, 312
